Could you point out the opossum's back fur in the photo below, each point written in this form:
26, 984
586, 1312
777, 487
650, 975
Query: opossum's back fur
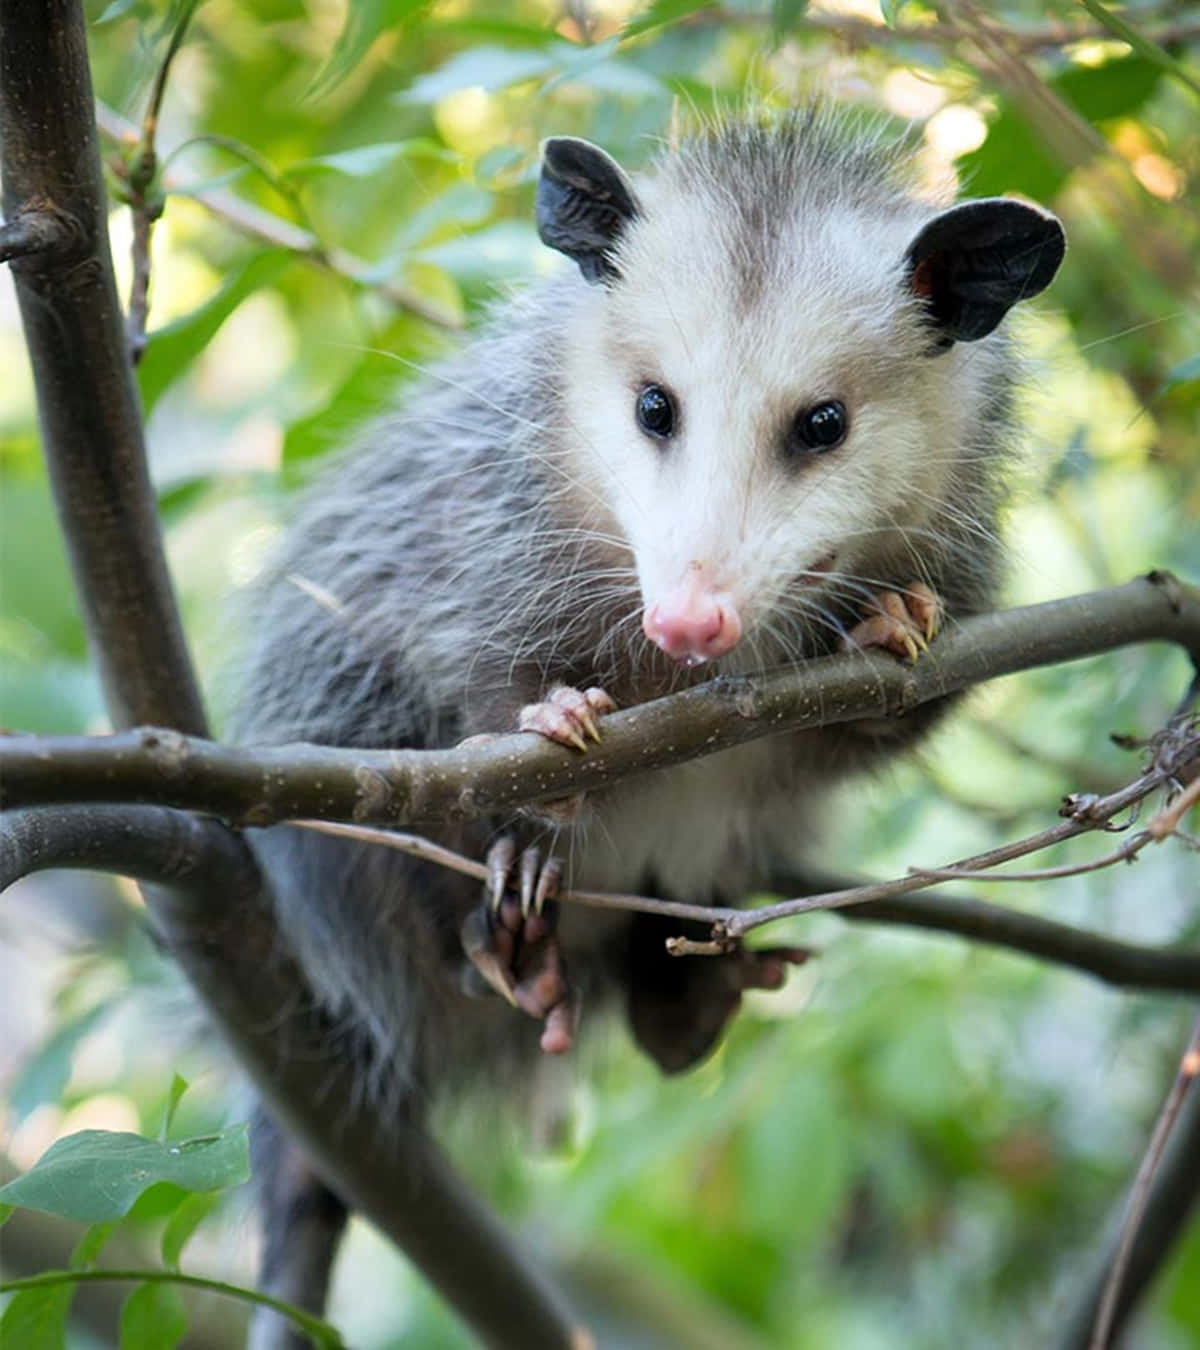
476, 547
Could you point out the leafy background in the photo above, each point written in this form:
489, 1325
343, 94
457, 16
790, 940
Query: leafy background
920, 1143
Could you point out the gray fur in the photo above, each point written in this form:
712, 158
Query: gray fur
472, 551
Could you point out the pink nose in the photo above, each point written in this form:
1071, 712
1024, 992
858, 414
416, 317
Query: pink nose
693, 622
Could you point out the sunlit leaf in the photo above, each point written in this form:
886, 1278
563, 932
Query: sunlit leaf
365, 22
152, 1318
92, 1243
36, 1319
43, 1076
96, 1175
1015, 157
171, 350
663, 13
175, 1094
490, 68
188, 1216
366, 160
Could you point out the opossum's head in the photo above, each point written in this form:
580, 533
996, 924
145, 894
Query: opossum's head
767, 384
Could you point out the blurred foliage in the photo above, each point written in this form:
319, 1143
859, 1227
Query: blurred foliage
920, 1142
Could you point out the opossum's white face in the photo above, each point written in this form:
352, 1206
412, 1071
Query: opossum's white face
761, 440
767, 385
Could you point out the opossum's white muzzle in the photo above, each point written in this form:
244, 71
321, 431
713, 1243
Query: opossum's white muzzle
693, 621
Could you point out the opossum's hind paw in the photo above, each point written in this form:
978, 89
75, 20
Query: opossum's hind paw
680, 1011
511, 943
903, 622
567, 716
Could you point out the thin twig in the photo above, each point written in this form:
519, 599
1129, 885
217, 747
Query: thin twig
1167, 820
146, 205
262, 225
1175, 747
1128, 851
1189, 1070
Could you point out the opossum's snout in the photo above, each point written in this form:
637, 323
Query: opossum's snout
693, 621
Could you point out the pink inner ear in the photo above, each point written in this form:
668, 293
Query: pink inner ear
922, 279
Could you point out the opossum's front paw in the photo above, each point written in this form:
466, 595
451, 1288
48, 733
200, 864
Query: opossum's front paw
567, 716
903, 622
511, 942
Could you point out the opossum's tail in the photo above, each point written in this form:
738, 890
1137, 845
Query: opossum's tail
303, 1224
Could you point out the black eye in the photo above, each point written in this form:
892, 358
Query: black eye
655, 410
820, 427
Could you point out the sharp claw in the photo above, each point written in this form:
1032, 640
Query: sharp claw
497, 975
500, 860
529, 875
547, 886
476, 937
585, 719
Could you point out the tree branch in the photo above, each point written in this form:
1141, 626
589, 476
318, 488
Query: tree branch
218, 924
1185, 1080
1119, 963
215, 916
1170, 1198
395, 787
87, 403
1126, 965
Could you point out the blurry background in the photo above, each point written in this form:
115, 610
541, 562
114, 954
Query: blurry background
919, 1144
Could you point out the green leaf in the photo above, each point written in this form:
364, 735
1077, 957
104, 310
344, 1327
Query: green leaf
1116, 89
91, 1244
1145, 48
890, 9
665, 12
598, 67
785, 14
172, 349
497, 161
189, 1215
365, 22
44, 1076
96, 1175
488, 67
1014, 156
462, 205
36, 1319
152, 1318
365, 161
368, 385
179, 1085
119, 8
497, 254
36, 579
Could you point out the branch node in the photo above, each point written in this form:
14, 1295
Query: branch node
41, 231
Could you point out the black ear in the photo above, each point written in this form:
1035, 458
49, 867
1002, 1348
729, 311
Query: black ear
584, 201
974, 262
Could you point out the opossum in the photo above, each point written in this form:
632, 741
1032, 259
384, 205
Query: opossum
766, 414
